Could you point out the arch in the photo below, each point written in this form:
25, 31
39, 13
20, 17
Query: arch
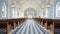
30, 11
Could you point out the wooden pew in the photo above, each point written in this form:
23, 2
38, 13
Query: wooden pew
53, 23
8, 24
50, 24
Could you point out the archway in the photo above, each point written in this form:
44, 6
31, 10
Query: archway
30, 12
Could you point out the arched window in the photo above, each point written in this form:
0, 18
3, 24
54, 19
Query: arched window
30, 12
3, 10
58, 9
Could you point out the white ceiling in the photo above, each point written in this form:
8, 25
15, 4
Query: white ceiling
41, 3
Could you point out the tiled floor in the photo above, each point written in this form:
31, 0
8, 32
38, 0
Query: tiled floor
2, 31
57, 31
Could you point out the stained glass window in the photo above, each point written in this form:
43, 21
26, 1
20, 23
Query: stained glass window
3, 10
58, 9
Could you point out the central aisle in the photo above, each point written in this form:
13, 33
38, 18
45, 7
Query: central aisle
30, 27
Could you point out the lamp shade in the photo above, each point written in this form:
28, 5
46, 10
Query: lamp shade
13, 5
48, 5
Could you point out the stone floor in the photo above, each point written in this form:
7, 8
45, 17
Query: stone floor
2, 31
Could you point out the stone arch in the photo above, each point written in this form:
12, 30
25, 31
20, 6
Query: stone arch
30, 11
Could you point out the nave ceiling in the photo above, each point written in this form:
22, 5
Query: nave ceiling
39, 4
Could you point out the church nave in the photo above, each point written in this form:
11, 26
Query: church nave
30, 26
29, 16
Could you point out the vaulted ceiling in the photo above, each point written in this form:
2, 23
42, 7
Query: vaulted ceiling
41, 4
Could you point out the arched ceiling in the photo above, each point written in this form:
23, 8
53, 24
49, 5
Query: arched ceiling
40, 3
30, 4
37, 3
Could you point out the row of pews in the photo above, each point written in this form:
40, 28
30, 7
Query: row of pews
50, 24
10, 24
